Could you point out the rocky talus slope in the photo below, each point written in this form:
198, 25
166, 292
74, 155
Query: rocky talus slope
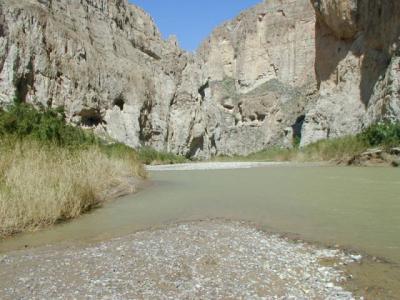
281, 71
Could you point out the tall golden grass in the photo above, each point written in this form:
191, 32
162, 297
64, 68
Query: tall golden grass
43, 184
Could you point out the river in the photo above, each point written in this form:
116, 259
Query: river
356, 208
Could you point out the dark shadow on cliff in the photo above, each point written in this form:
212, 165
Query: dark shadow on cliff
331, 50
381, 24
373, 68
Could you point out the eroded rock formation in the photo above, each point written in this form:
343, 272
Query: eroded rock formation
357, 66
251, 85
104, 61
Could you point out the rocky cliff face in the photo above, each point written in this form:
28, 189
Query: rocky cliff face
272, 75
249, 83
357, 67
104, 61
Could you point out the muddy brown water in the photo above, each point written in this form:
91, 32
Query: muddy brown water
356, 208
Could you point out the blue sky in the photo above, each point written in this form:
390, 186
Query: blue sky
192, 20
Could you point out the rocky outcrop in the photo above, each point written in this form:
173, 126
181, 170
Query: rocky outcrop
375, 157
357, 67
103, 61
274, 75
257, 78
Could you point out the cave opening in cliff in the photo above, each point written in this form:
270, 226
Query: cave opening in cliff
120, 102
297, 128
196, 145
21, 90
91, 118
24, 84
202, 90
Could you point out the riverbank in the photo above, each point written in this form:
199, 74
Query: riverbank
52, 172
213, 165
369, 158
377, 145
302, 202
41, 185
209, 259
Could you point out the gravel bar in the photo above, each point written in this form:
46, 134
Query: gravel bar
214, 166
198, 260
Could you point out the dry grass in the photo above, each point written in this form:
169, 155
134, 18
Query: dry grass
335, 150
41, 185
339, 150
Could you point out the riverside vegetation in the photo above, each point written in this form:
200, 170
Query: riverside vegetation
51, 171
383, 136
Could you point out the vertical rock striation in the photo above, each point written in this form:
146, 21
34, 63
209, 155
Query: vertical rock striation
104, 61
257, 77
281, 71
357, 67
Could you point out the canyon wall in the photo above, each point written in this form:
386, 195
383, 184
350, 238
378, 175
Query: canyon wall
281, 72
254, 79
357, 67
103, 61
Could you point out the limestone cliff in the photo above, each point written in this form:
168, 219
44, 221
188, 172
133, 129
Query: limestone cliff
252, 84
259, 77
357, 67
104, 61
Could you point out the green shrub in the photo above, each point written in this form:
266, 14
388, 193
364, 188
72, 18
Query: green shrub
296, 142
51, 171
47, 125
22, 121
382, 134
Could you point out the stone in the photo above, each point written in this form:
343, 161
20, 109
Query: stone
356, 257
212, 259
372, 152
280, 72
97, 59
395, 151
357, 66
374, 157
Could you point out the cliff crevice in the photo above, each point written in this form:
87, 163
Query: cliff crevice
279, 72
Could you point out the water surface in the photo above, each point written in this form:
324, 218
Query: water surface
357, 208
